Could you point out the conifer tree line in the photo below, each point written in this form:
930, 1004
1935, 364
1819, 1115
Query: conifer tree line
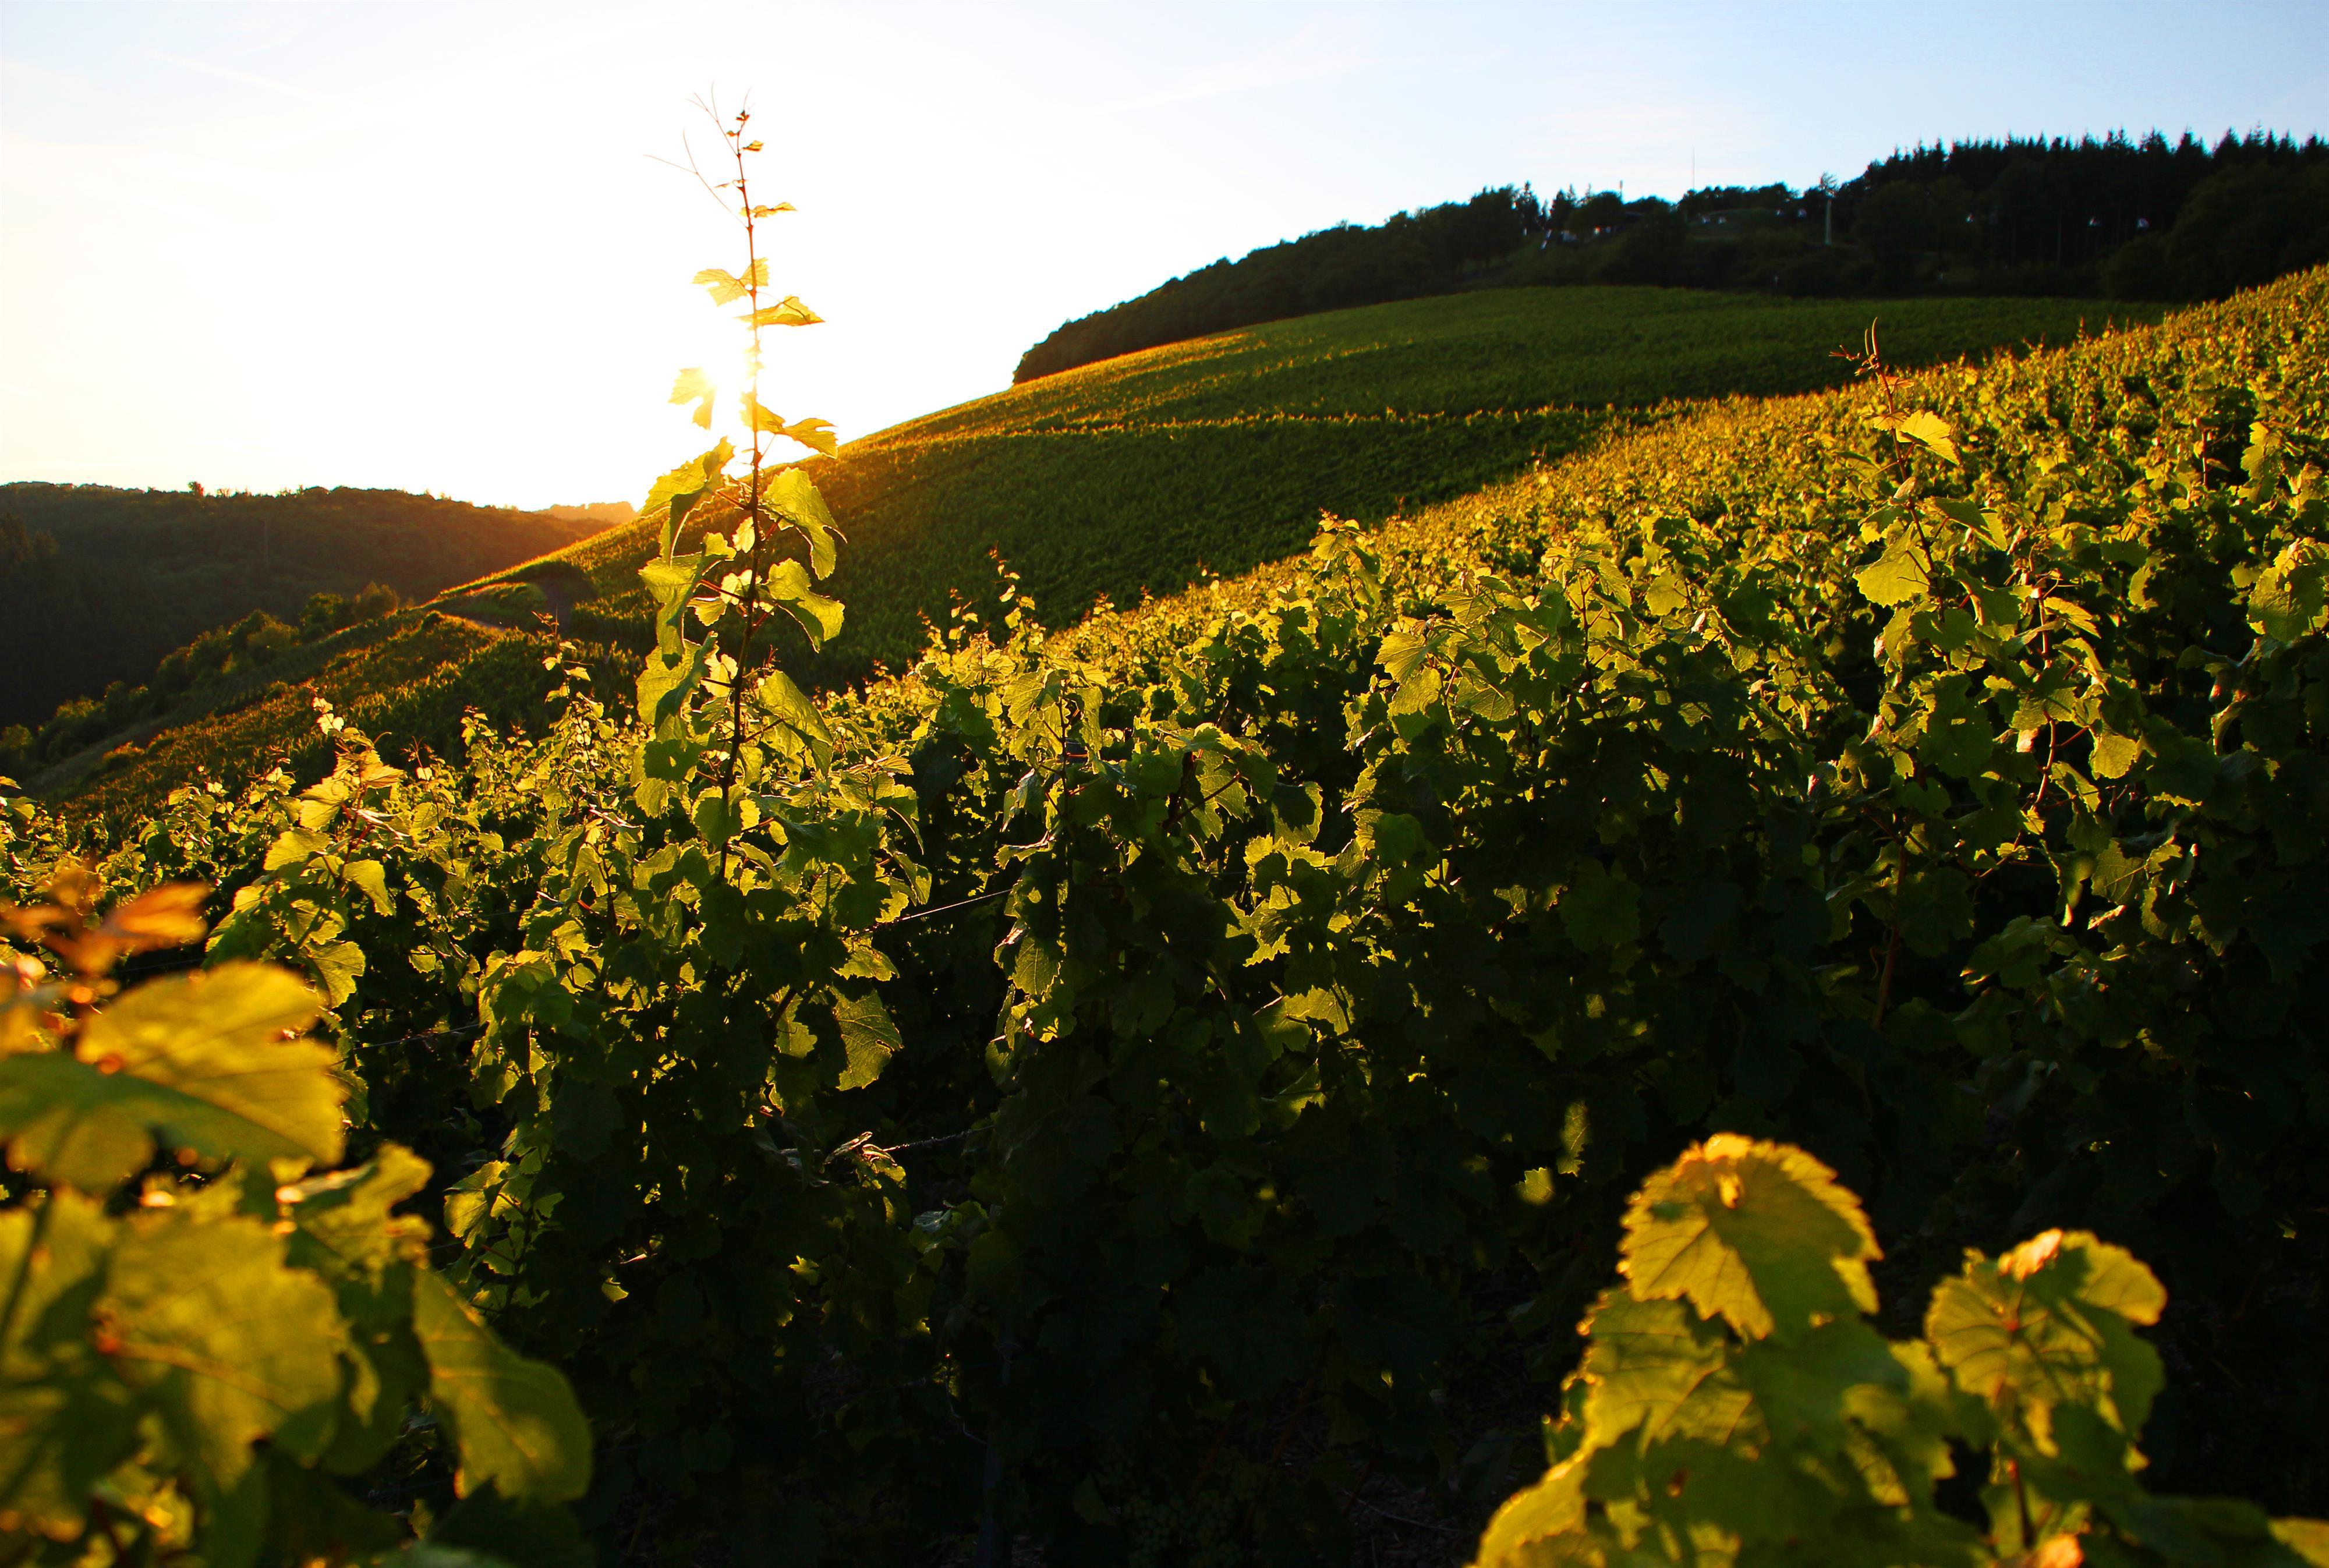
2128, 218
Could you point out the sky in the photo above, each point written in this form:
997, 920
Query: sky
431, 247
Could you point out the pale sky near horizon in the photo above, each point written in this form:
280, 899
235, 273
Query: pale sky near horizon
426, 246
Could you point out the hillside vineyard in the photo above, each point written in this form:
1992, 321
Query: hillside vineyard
1156, 1086
1119, 481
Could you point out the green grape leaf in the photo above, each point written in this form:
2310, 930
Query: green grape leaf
792, 496
790, 706
1897, 577
1401, 654
337, 965
514, 1422
200, 1059
2049, 1324
693, 386
1652, 1365
868, 1037
346, 1215
202, 1316
678, 492
2113, 755
370, 879
1759, 1233
65, 1420
813, 433
1927, 429
1933, 431
667, 679
788, 312
1542, 1525
819, 617
1804, 1390
2290, 597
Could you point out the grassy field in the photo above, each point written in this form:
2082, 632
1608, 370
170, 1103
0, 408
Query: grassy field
1137, 474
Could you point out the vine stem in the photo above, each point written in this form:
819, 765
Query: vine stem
2021, 1502
1892, 949
751, 606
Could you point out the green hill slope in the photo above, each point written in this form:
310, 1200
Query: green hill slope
1131, 475
1134, 475
97, 584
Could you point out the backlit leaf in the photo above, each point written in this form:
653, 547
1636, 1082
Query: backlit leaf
1932, 431
65, 1420
812, 433
792, 495
1645, 1361
2290, 598
819, 617
514, 1422
199, 1060
1542, 1525
1898, 577
789, 704
1759, 1233
2050, 1323
694, 387
788, 312
201, 1316
727, 287
867, 1035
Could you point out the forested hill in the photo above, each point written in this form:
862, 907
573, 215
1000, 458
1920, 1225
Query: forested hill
2119, 217
97, 583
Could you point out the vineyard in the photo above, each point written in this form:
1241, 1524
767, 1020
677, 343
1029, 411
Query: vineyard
1165, 1090
1137, 476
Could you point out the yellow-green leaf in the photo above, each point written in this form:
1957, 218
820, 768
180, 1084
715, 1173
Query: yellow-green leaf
2050, 1323
1761, 1234
819, 615
200, 1315
200, 1060
65, 1420
514, 1422
727, 287
678, 492
794, 497
867, 1035
1933, 431
787, 704
694, 387
1542, 1525
1897, 577
2291, 598
2115, 754
1644, 1362
788, 312
812, 433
